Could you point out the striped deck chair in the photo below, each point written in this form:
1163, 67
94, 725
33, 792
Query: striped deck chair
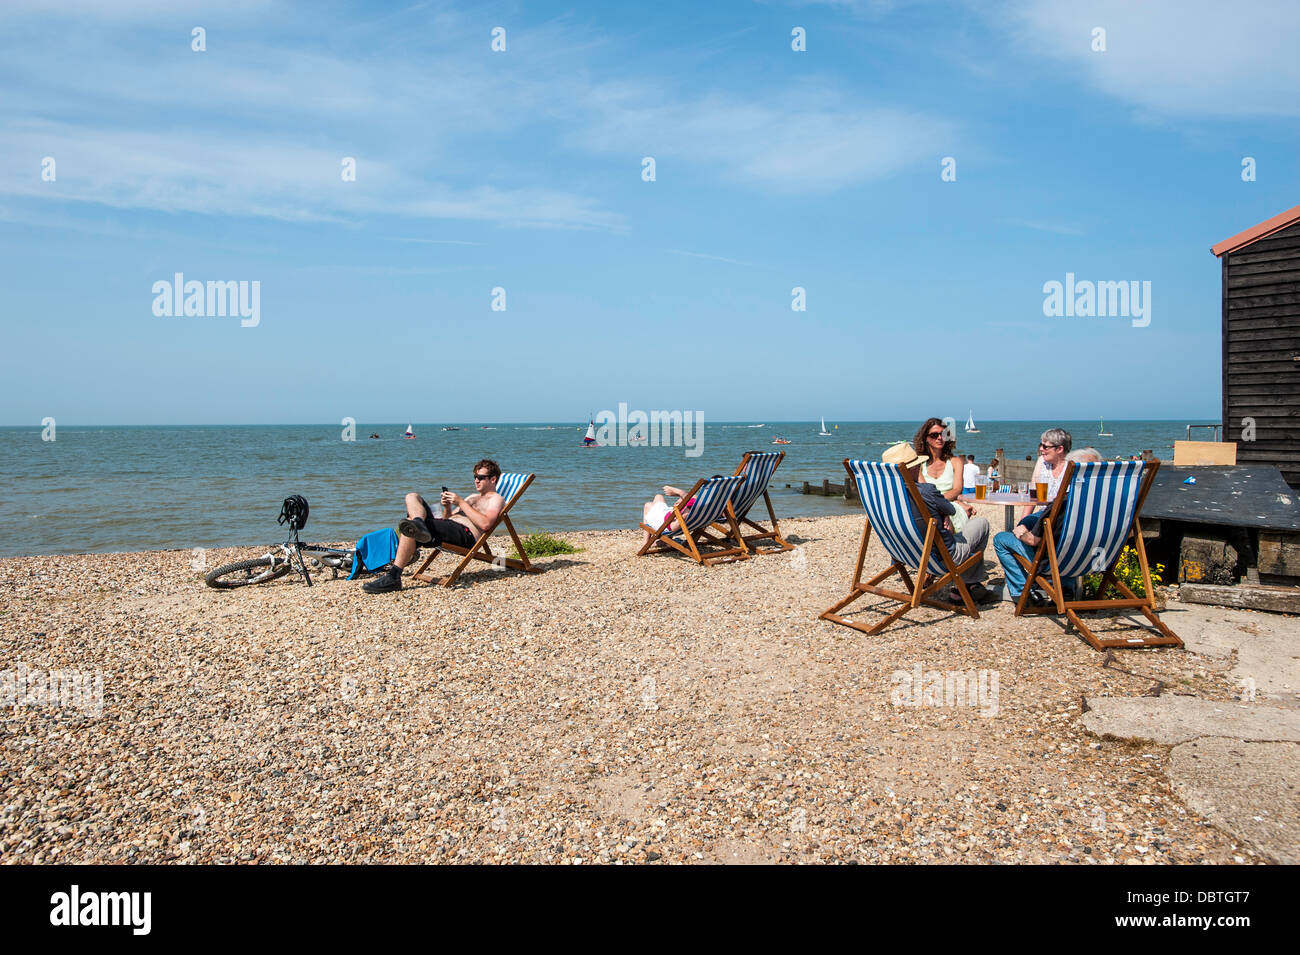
911, 537
756, 470
712, 505
1085, 531
511, 487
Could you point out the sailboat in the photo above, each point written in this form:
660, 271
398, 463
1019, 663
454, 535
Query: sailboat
408, 433
590, 440
824, 433
970, 422
1103, 433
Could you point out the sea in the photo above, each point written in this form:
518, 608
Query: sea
107, 489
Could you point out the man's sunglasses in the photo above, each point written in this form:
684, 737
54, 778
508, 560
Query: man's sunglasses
481, 477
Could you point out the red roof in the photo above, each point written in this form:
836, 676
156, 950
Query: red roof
1257, 232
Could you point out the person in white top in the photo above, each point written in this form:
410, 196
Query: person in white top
1053, 446
934, 439
970, 474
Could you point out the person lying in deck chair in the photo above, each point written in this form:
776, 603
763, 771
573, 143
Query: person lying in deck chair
469, 517
654, 512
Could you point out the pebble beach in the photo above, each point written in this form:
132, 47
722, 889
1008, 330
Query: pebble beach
609, 709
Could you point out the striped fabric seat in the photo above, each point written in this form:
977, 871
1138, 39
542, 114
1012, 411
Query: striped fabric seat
1098, 516
892, 513
508, 485
758, 472
710, 503
711, 496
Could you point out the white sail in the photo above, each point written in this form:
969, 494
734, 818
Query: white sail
824, 431
591, 431
970, 422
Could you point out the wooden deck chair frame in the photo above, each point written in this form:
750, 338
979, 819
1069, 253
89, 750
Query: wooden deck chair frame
1046, 562
919, 591
692, 541
772, 533
481, 549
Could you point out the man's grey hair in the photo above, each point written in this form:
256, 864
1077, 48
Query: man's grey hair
1084, 454
1058, 436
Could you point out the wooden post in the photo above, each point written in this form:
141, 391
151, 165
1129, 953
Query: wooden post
826, 487
806, 488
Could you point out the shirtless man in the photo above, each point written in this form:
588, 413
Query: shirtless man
470, 517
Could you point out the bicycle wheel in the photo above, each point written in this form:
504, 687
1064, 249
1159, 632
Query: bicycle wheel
245, 572
319, 557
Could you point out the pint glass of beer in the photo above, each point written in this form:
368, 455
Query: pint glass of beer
981, 489
1041, 490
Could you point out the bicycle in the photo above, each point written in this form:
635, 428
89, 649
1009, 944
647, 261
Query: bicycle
292, 555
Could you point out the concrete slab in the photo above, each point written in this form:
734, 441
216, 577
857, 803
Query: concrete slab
1178, 719
1267, 647
1248, 789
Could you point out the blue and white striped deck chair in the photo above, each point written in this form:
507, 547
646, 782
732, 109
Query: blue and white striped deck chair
712, 505
511, 487
755, 471
1085, 532
911, 538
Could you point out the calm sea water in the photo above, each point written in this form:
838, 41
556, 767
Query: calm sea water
123, 489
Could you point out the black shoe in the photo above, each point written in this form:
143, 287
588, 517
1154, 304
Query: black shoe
414, 528
386, 582
981, 594
1037, 598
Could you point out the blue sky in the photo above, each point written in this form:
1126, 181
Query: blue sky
522, 170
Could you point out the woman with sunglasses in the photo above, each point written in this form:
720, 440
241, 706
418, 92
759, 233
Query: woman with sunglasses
934, 441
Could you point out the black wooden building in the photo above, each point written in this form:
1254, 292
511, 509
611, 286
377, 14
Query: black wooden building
1261, 343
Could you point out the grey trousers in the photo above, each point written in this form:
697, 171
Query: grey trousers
973, 538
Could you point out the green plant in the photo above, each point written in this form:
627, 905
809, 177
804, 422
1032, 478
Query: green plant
1127, 570
542, 544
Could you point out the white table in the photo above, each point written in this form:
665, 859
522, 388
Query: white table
1009, 502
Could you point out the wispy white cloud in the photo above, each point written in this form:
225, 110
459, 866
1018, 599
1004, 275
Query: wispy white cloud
405, 238
808, 139
1180, 57
257, 126
1039, 226
703, 255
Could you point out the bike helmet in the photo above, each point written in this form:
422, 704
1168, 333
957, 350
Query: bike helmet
294, 512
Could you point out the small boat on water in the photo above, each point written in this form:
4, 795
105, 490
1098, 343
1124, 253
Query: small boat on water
589, 441
450, 428
824, 433
408, 433
970, 422
756, 426
780, 440
1103, 433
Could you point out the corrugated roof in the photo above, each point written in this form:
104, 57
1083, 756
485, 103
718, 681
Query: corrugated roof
1257, 232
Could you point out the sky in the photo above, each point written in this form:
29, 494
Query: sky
920, 170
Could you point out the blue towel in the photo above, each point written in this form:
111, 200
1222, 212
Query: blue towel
375, 550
